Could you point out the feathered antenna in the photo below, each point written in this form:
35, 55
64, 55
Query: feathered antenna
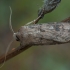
12, 39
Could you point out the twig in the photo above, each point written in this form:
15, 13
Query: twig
34, 21
13, 53
21, 48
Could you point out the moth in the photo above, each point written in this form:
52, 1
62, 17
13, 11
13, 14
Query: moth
49, 5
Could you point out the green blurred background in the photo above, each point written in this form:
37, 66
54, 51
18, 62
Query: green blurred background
55, 57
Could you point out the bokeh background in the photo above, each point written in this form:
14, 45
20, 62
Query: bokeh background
54, 57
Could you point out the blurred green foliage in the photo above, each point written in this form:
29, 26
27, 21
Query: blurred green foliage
56, 57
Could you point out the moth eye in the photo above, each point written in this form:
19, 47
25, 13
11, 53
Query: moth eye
17, 39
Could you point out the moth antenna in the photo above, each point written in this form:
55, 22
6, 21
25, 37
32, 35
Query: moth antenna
10, 24
7, 52
14, 36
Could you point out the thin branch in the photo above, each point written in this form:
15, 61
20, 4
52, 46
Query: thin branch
13, 53
22, 48
34, 21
